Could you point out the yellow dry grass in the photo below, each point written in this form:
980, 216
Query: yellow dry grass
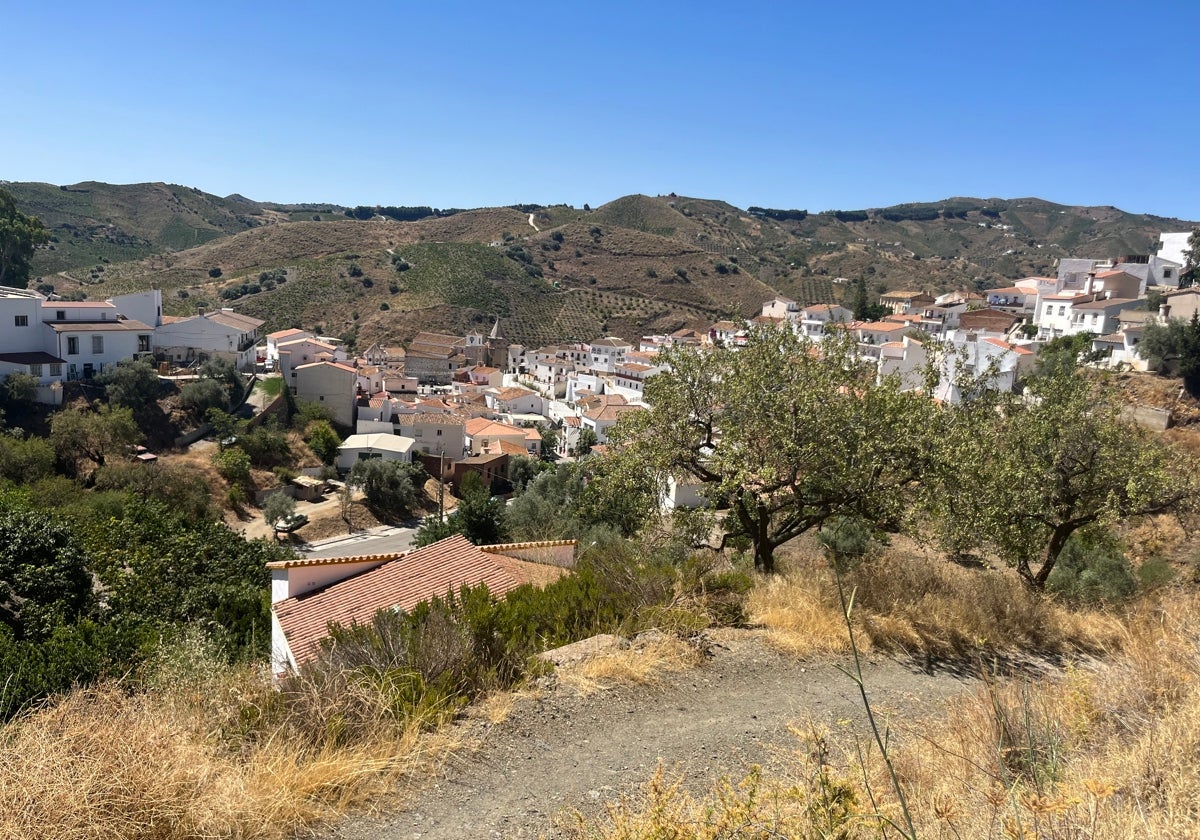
1099, 751
636, 665
166, 764
908, 602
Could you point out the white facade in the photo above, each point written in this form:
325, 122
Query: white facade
222, 334
362, 447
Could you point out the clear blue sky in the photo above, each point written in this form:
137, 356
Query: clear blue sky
813, 105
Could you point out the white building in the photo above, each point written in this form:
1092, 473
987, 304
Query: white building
223, 334
364, 447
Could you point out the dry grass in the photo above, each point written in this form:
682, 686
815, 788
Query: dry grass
1104, 751
908, 602
641, 665
211, 757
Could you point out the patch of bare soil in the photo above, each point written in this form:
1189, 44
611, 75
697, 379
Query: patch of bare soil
560, 750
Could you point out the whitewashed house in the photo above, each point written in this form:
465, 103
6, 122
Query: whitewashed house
222, 334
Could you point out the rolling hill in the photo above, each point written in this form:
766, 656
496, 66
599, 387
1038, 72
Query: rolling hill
635, 265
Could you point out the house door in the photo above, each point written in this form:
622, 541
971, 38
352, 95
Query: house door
89, 370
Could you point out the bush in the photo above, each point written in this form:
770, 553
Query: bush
389, 486
1093, 569
214, 272
322, 440
199, 396
233, 465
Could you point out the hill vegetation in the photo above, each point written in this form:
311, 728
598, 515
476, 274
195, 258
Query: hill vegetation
636, 265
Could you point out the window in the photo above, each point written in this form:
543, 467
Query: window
72, 345
97, 345
21, 320
35, 370
439, 432
143, 344
1062, 310
56, 368
60, 315
1166, 274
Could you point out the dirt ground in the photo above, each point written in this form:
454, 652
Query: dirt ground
560, 751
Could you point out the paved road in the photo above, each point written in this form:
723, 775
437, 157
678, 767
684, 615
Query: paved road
383, 540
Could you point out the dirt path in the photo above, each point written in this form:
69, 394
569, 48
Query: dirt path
564, 751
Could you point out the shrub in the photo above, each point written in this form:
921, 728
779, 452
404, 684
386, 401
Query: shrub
214, 272
233, 465
199, 396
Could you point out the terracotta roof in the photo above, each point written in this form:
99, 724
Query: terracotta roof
610, 341
400, 583
724, 326
337, 365
610, 412
571, 421
1016, 348
477, 426
278, 334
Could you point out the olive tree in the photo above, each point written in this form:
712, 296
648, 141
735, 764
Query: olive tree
780, 436
1022, 475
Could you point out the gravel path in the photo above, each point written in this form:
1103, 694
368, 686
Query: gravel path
562, 751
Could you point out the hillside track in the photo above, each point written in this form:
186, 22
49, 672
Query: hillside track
560, 751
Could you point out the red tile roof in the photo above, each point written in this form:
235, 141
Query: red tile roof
400, 583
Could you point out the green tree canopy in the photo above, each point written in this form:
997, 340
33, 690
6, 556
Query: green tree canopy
1038, 469
44, 581
132, 383
19, 237
92, 435
1175, 345
323, 441
390, 486
783, 434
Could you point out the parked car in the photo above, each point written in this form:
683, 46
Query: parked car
291, 523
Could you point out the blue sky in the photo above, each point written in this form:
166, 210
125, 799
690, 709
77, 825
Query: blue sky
812, 105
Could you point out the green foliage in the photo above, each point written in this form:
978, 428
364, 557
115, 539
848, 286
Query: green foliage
19, 237
223, 371
182, 490
783, 435
479, 517
390, 486
1093, 569
44, 581
266, 445
584, 442
522, 470
233, 465
202, 395
322, 440
306, 413
92, 435
132, 383
1175, 345
25, 460
277, 506
19, 391
432, 530
1046, 466
1065, 353
847, 538
214, 272
161, 571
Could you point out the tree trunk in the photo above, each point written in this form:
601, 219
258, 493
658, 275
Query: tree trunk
1058, 541
764, 556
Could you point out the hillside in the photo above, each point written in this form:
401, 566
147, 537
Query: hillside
636, 265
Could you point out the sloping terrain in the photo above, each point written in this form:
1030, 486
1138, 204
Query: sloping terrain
560, 750
639, 264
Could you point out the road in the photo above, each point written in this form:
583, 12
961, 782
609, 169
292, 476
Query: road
385, 540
